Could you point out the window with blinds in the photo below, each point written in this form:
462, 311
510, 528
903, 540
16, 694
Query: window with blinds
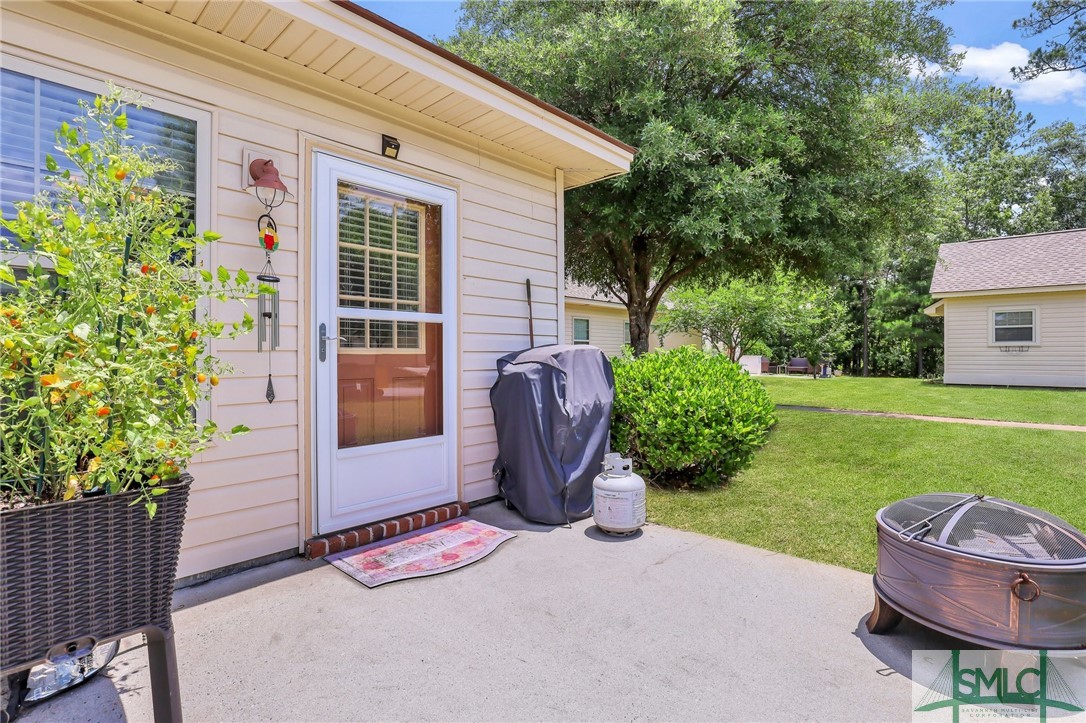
382, 265
31, 109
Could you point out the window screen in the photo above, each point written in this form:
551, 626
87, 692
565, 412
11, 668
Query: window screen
1013, 326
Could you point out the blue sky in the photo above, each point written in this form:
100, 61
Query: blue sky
982, 30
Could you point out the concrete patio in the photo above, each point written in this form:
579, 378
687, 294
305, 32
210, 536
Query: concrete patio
557, 624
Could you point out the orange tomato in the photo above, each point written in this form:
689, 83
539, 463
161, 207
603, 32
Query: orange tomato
144, 269
214, 380
150, 310
120, 175
194, 334
103, 411
201, 378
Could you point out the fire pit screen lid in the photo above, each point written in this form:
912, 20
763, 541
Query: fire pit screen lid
986, 526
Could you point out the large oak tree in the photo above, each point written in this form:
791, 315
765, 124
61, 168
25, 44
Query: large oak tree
766, 130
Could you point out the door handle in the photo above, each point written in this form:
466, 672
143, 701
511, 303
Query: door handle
324, 339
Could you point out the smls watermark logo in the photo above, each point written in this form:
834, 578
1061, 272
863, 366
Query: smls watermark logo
973, 685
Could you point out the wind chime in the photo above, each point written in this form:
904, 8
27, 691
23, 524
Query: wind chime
270, 190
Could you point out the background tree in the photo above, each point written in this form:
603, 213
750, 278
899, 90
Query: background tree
762, 127
779, 314
732, 317
1064, 52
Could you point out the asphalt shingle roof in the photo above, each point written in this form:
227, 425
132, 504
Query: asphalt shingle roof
588, 293
1011, 262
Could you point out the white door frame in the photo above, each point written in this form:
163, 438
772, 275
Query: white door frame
328, 168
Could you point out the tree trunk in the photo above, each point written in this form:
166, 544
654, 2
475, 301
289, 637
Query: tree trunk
640, 328
919, 360
865, 358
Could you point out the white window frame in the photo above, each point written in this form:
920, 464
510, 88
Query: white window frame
587, 327
993, 310
204, 157
626, 333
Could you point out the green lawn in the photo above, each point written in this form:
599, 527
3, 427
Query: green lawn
915, 396
814, 489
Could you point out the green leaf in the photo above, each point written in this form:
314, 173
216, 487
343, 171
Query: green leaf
64, 266
242, 277
50, 163
159, 491
205, 275
7, 276
121, 122
82, 331
224, 275
239, 429
152, 508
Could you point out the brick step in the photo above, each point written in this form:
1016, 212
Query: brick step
322, 545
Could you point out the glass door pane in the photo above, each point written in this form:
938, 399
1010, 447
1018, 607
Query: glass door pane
388, 395
389, 251
388, 371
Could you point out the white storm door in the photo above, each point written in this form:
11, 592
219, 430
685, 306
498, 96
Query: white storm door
385, 299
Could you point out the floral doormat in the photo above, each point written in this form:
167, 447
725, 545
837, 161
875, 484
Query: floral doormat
430, 551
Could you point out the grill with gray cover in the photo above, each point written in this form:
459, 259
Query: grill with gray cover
552, 412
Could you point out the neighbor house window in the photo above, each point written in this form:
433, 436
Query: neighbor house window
1014, 326
580, 331
37, 101
626, 333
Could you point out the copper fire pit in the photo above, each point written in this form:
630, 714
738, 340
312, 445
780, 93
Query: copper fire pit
982, 569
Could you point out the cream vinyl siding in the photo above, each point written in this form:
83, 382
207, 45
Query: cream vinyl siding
1058, 359
604, 325
252, 494
606, 331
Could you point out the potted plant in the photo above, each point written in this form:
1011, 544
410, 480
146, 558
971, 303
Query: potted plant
104, 361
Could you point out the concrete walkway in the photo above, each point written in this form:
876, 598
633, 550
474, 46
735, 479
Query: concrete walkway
925, 418
557, 625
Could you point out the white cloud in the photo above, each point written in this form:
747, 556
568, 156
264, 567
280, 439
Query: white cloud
993, 65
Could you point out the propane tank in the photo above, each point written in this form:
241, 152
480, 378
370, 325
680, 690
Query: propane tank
618, 506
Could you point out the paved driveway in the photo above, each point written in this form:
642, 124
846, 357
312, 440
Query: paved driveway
558, 624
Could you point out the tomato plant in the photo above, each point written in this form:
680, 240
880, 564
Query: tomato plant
106, 339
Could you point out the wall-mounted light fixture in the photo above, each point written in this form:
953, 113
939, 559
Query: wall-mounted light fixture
390, 147
266, 185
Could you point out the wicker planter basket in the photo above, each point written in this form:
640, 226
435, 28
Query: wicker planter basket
90, 571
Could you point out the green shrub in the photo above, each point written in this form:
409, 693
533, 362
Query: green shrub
688, 417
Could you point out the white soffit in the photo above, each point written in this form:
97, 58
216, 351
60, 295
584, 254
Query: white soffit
371, 56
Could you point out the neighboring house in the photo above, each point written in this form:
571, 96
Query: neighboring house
1014, 310
406, 261
602, 321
